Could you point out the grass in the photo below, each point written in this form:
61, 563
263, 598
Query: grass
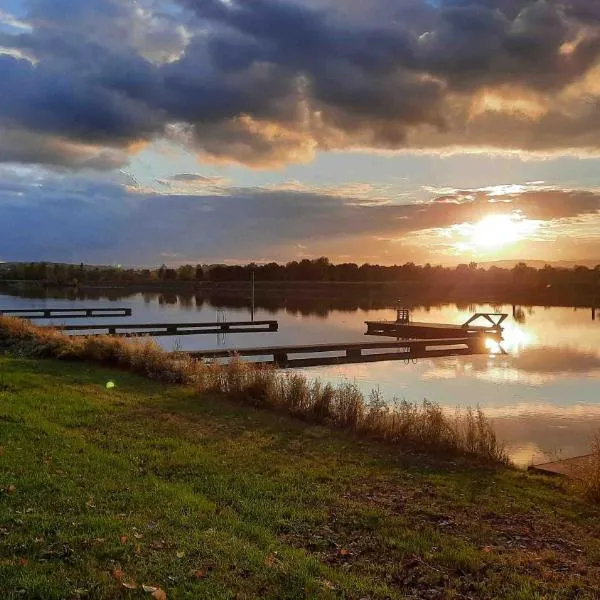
424, 426
199, 497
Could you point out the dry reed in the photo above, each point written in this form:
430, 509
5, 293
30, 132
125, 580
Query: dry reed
424, 426
585, 475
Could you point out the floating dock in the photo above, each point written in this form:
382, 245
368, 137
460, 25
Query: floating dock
64, 313
346, 353
166, 329
480, 324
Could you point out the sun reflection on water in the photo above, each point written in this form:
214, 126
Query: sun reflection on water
514, 340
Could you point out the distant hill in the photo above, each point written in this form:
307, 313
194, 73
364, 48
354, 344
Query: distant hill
539, 264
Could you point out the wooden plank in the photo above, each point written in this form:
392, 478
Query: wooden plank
178, 332
65, 313
368, 358
335, 347
418, 331
221, 326
572, 468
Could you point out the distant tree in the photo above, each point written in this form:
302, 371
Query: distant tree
186, 273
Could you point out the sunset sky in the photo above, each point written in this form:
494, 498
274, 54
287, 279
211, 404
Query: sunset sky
382, 131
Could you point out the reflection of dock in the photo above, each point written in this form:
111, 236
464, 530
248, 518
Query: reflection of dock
345, 353
64, 313
573, 468
479, 324
165, 329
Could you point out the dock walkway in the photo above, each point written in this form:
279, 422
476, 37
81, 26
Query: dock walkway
569, 467
167, 329
359, 352
64, 313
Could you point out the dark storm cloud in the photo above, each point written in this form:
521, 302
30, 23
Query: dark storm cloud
272, 81
98, 220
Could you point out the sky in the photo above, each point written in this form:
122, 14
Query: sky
156, 132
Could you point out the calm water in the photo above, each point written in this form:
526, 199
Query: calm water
543, 397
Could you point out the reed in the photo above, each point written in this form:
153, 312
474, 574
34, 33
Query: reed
586, 477
424, 426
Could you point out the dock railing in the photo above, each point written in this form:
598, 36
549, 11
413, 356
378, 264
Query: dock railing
494, 319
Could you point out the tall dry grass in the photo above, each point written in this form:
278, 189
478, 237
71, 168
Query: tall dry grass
586, 474
424, 425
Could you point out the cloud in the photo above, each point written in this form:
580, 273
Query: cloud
26, 146
103, 219
192, 181
269, 82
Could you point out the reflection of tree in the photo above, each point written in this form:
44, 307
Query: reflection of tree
519, 315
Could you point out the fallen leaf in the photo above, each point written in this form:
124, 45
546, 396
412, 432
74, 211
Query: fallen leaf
118, 574
159, 595
138, 536
180, 554
157, 545
344, 552
149, 588
199, 574
11, 489
90, 504
129, 586
270, 561
23, 562
123, 539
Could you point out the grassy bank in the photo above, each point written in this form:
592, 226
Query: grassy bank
149, 483
424, 426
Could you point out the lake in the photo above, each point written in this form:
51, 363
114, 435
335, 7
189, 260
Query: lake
543, 396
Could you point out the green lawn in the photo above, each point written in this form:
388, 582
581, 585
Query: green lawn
202, 498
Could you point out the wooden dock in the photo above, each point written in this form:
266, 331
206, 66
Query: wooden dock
480, 324
346, 353
166, 329
573, 468
64, 313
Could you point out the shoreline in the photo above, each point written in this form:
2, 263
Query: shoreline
381, 295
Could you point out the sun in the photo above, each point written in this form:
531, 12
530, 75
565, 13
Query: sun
495, 231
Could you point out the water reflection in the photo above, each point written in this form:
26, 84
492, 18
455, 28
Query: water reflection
542, 394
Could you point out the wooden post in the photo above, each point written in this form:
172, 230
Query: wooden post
252, 296
280, 358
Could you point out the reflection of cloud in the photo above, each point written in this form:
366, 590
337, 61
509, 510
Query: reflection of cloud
556, 360
540, 436
530, 365
544, 411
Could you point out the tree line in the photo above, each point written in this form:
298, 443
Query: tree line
319, 270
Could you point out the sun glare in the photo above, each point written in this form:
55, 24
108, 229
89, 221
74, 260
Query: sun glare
496, 231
